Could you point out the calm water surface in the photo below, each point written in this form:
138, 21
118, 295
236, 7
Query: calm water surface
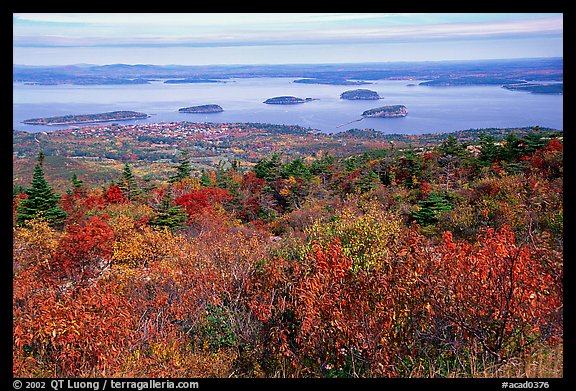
430, 109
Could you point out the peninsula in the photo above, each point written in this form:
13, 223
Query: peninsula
551, 88
202, 109
360, 94
286, 100
386, 111
87, 118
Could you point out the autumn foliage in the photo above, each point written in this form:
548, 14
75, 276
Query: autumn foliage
299, 270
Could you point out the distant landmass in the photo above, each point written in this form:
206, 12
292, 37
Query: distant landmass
184, 81
360, 94
87, 118
470, 80
447, 73
386, 111
286, 100
338, 82
552, 88
202, 109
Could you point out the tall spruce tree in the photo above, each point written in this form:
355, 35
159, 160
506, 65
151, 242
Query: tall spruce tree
42, 201
184, 169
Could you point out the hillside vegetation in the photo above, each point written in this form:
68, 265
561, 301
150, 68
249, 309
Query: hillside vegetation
394, 260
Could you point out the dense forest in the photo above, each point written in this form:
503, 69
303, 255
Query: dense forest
445, 261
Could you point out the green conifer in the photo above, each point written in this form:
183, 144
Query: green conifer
42, 201
173, 217
184, 169
128, 184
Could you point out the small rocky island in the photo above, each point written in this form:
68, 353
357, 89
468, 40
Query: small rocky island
360, 94
286, 100
202, 109
87, 118
386, 111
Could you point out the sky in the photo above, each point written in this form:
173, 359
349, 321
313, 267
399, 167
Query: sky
281, 38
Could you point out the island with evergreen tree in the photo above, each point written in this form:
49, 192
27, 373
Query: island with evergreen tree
287, 100
202, 109
360, 94
87, 118
386, 111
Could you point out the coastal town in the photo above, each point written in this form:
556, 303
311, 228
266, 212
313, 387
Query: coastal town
153, 148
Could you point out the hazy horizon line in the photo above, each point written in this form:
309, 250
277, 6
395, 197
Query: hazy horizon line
292, 64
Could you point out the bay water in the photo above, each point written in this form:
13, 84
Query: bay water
430, 109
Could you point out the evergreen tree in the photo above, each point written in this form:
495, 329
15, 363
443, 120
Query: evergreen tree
169, 216
184, 169
450, 146
76, 184
431, 208
42, 201
322, 165
297, 169
367, 182
205, 179
269, 168
513, 149
490, 152
128, 184
223, 177
534, 141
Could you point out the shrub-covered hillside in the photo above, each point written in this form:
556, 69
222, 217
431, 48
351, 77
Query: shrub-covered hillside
445, 260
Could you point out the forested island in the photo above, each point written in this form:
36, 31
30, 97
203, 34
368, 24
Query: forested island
202, 109
87, 118
287, 100
360, 94
386, 111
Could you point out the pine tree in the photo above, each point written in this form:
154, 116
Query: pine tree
431, 209
42, 201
